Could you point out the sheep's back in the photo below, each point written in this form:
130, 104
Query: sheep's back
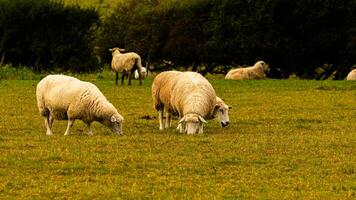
193, 94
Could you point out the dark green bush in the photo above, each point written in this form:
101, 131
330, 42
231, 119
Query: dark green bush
45, 35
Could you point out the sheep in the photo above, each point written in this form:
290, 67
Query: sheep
221, 112
143, 72
126, 63
162, 84
257, 71
351, 76
161, 91
186, 94
67, 98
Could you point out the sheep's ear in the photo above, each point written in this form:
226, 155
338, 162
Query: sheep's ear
113, 119
111, 50
121, 50
202, 119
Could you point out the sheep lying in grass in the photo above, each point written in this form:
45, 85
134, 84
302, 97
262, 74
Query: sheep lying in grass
161, 88
126, 63
249, 73
144, 73
187, 94
351, 76
66, 98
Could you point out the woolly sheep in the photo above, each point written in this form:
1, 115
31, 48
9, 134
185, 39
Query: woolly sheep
161, 88
221, 112
351, 76
249, 73
187, 94
143, 73
66, 98
126, 63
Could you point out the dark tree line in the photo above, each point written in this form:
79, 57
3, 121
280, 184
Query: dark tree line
297, 36
292, 36
46, 35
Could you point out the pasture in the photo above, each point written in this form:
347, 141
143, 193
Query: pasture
287, 139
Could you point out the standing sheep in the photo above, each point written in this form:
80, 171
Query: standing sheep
187, 94
221, 112
351, 76
257, 71
126, 63
66, 98
161, 92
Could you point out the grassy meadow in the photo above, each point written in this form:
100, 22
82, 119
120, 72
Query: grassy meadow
288, 139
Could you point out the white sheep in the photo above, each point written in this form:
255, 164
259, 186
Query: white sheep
187, 94
66, 98
221, 112
126, 63
257, 71
161, 91
351, 76
144, 73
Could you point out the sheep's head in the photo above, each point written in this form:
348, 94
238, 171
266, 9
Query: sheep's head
114, 123
116, 50
263, 65
221, 112
191, 124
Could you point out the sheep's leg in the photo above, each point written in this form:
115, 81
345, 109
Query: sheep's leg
122, 78
70, 124
160, 119
117, 77
130, 78
140, 76
168, 120
48, 124
90, 132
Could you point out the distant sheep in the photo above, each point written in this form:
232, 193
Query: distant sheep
351, 76
126, 63
187, 94
249, 73
143, 73
66, 98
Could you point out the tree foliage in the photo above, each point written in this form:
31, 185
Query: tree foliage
46, 35
293, 36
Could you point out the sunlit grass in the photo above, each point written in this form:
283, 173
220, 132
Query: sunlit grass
287, 139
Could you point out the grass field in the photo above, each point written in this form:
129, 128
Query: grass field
288, 139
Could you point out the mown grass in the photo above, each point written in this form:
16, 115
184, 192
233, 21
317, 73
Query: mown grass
288, 139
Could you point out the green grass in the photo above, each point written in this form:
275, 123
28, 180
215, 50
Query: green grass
288, 139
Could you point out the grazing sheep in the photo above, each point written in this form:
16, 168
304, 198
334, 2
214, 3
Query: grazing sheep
66, 98
126, 63
351, 76
249, 73
161, 89
161, 93
143, 73
187, 94
221, 112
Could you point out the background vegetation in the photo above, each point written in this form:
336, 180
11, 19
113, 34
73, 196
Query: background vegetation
313, 39
287, 139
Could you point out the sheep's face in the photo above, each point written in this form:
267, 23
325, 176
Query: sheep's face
115, 123
191, 124
221, 113
263, 65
